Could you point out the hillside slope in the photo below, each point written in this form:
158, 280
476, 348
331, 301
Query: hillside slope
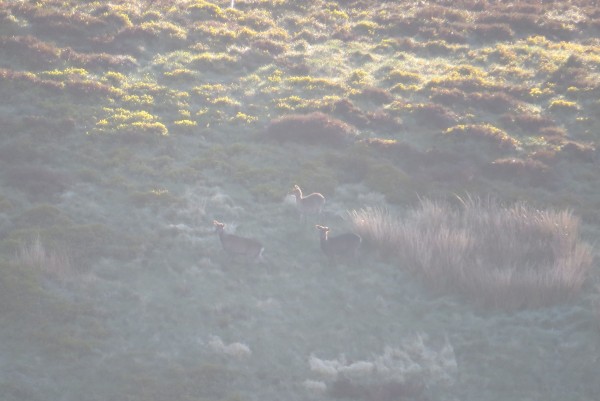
127, 127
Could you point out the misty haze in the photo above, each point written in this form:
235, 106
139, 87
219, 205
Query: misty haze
299, 200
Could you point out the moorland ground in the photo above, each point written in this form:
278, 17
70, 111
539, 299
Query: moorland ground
127, 127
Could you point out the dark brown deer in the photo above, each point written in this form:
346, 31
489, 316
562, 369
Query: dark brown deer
341, 246
235, 245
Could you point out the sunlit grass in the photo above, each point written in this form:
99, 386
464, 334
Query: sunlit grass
501, 256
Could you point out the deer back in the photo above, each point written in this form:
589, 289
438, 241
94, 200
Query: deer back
236, 245
341, 245
312, 203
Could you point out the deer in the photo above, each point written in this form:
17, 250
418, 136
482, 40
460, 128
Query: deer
309, 204
235, 245
344, 245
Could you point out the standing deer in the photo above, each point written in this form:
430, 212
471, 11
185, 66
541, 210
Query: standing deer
343, 245
309, 204
235, 245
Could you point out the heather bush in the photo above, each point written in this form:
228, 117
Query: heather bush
500, 256
482, 137
574, 151
524, 171
37, 181
526, 121
432, 115
314, 128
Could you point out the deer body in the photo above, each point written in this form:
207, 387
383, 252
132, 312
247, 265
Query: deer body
308, 205
343, 245
235, 245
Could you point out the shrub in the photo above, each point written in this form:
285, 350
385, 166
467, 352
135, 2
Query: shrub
497, 138
562, 105
412, 371
401, 76
204, 10
376, 95
574, 151
528, 122
504, 257
493, 32
37, 181
448, 96
494, 102
347, 110
130, 125
391, 181
314, 128
526, 171
213, 61
432, 115
41, 216
29, 49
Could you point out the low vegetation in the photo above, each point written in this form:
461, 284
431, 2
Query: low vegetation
127, 127
502, 256
311, 129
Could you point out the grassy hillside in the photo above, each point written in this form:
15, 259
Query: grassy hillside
127, 127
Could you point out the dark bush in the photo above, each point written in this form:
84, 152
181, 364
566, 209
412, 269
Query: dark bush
376, 95
573, 73
525, 171
270, 46
37, 181
492, 32
553, 134
313, 129
433, 115
531, 123
48, 126
403, 153
98, 61
452, 34
498, 141
494, 102
519, 22
29, 49
448, 96
381, 120
574, 151
346, 110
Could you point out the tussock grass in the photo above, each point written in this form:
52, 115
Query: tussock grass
54, 263
504, 257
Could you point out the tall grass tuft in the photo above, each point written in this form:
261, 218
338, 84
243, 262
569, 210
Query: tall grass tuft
56, 264
505, 257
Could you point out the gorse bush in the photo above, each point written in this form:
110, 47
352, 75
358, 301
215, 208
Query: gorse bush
502, 256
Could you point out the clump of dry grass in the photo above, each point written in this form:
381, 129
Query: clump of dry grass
54, 263
505, 257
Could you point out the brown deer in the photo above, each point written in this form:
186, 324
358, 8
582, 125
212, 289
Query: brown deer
235, 245
344, 245
310, 204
